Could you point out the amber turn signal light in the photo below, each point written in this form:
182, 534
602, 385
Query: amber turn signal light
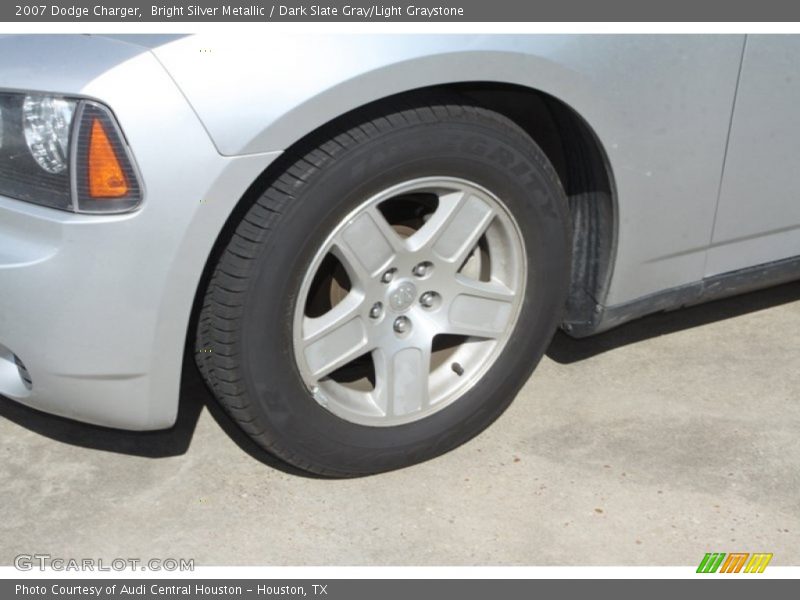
106, 177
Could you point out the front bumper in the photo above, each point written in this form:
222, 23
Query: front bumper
78, 309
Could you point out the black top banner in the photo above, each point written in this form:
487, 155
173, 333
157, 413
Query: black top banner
407, 11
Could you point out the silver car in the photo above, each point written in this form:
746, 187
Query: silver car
368, 241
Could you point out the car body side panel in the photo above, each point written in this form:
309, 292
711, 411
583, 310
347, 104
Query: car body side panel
758, 219
660, 106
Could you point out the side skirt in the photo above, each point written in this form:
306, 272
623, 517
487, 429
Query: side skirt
711, 288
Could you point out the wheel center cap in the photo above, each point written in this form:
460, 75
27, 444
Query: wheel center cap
402, 296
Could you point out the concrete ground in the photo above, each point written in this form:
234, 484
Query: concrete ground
652, 444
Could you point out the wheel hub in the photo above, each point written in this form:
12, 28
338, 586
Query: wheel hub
402, 296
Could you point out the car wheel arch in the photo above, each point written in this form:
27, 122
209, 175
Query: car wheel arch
566, 138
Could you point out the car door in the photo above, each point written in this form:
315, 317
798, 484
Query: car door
758, 212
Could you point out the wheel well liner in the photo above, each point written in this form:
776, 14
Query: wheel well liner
581, 163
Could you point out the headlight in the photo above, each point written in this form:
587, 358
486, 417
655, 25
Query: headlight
66, 153
47, 122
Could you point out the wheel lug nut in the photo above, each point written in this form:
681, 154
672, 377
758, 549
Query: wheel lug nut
428, 299
388, 275
421, 269
376, 311
402, 325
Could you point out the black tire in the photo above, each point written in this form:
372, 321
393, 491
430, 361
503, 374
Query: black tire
244, 341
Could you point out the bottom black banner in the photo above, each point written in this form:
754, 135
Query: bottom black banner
383, 589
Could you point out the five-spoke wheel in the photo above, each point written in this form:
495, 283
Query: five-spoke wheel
409, 300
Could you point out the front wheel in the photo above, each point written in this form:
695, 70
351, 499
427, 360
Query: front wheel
389, 293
